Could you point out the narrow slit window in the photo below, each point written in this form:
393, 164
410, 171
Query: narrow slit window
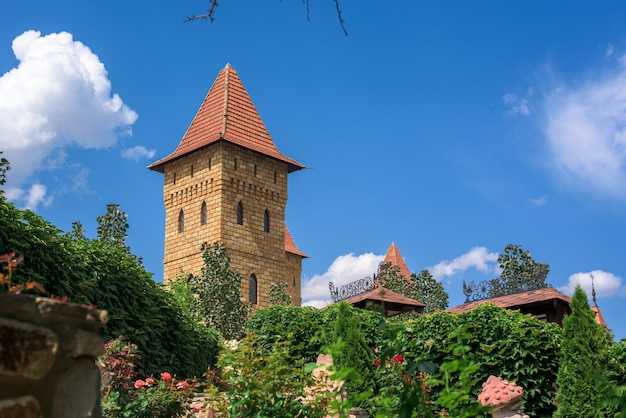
210, 163
252, 290
266, 221
192, 171
275, 174
203, 213
255, 170
181, 221
235, 164
174, 178
239, 213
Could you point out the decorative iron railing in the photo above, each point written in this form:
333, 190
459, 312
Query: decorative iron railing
351, 289
488, 289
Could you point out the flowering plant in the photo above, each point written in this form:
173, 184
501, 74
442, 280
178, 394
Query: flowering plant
402, 389
124, 395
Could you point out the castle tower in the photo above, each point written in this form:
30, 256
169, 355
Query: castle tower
226, 181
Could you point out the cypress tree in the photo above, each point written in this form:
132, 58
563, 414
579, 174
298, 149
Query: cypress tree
583, 355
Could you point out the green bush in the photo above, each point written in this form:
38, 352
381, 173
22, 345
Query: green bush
109, 277
503, 343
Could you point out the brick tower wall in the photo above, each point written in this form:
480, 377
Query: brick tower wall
222, 175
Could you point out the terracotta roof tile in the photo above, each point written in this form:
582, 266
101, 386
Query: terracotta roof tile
227, 114
290, 244
516, 300
393, 256
599, 317
384, 295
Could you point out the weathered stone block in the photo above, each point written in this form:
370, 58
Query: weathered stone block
87, 343
77, 392
26, 350
22, 407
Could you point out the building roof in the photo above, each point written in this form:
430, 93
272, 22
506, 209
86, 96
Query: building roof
290, 245
393, 256
598, 314
516, 300
381, 294
227, 114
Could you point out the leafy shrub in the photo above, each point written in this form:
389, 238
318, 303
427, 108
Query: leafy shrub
504, 343
110, 277
125, 396
266, 382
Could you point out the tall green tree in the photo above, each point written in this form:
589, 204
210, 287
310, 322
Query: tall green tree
219, 293
519, 271
4, 167
583, 360
113, 226
421, 287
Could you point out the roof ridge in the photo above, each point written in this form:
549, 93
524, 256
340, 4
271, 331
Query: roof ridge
225, 117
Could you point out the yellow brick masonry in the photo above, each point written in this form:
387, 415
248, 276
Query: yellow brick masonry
221, 175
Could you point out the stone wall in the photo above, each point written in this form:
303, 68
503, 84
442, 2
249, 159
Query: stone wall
47, 358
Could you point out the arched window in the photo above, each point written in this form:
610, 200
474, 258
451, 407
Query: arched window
266, 221
203, 213
181, 221
252, 288
239, 213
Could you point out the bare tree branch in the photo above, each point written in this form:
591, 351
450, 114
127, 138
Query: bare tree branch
210, 14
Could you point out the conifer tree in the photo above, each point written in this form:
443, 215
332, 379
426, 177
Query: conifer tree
583, 360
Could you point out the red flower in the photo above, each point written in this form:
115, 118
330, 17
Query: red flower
139, 384
182, 384
166, 376
150, 381
377, 362
397, 358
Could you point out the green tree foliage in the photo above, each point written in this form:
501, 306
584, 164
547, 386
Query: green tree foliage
113, 226
614, 385
421, 287
4, 167
266, 382
278, 294
94, 272
518, 267
355, 353
583, 361
219, 293
499, 342
302, 326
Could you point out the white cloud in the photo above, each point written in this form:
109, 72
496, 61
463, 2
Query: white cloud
138, 152
59, 95
606, 284
478, 258
538, 201
517, 106
344, 269
610, 49
586, 134
32, 198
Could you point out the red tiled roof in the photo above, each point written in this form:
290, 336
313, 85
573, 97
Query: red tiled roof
393, 256
290, 245
227, 114
599, 317
380, 294
516, 300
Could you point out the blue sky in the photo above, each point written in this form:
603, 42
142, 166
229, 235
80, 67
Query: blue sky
449, 128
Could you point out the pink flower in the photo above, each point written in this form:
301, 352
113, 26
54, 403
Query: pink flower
139, 384
377, 362
397, 358
197, 408
150, 381
182, 384
166, 376
106, 345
